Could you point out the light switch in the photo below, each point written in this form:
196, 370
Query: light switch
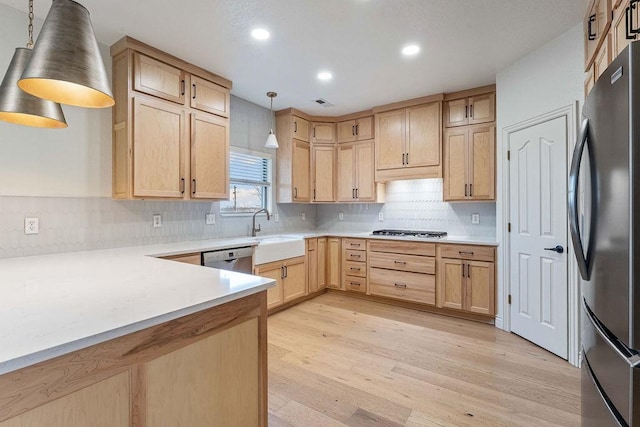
475, 218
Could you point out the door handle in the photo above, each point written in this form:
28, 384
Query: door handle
559, 249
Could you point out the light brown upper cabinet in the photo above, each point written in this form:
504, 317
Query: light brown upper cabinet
470, 111
164, 146
323, 173
469, 163
359, 129
596, 24
408, 142
323, 133
355, 172
625, 20
293, 162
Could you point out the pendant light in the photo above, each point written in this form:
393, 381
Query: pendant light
19, 107
272, 142
66, 65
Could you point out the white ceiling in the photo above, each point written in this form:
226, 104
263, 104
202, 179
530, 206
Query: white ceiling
464, 43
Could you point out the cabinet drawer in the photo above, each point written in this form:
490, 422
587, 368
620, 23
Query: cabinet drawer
402, 285
356, 284
413, 263
352, 255
480, 253
357, 244
358, 269
401, 247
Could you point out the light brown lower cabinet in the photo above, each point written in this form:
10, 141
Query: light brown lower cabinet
208, 368
354, 265
194, 258
316, 263
290, 277
334, 245
466, 284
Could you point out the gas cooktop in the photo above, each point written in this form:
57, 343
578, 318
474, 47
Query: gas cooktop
413, 233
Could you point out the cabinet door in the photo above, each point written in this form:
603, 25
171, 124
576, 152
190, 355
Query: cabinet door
390, 148
209, 97
346, 176
480, 287
312, 265
482, 157
275, 295
300, 129
364, 128
324, 133
450, 283
158, 79
482, 108
347, 131
620, 34
456, 113
603, 58
322, 262
158, 144
209, 157
295, 280
455, 164
301, 171
333, 262
589, 81
365, 185
423, 135
323, 167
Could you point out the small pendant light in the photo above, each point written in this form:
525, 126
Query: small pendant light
19, 107
272, 142
66, 65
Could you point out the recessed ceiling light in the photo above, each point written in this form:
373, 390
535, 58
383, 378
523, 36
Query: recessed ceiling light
260, 34
325, 75
411, 49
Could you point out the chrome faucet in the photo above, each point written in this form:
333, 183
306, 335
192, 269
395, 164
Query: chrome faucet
254, 230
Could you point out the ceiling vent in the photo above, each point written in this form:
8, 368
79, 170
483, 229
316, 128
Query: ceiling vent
323, 102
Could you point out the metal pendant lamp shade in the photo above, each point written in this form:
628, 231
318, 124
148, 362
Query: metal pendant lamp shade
21, 108
66, 65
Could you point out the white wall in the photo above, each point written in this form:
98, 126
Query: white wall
549, 78
75, 161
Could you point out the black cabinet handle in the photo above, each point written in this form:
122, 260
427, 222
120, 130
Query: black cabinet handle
314, 194
193, 188
629, 27
183, 87
357, 191
353, 131
282, 272
558, 249
194, 90
471, 111
399, 285
466, 190
466, 111
465, 253
295, 192
182, 185
295, 127
469, 271
400, 262
354, 284
462, 265
470, 190
357, 129
591, 35
407, 157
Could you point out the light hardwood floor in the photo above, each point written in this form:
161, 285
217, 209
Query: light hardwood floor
337, 360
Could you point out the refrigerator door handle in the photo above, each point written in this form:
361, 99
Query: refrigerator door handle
583, 259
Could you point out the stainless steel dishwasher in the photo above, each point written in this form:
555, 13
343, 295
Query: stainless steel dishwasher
238, 259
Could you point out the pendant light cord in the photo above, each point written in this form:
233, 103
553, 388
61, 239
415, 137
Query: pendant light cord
30, 43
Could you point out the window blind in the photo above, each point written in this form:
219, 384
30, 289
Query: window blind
248, 169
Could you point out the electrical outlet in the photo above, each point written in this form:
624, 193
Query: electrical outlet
340, 216
210, 219
304, 216
276, 217
475, 218
31, 226
380, 216
157, 220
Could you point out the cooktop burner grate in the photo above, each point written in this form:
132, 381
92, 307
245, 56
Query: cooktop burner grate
415, 233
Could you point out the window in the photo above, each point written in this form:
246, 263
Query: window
250, 182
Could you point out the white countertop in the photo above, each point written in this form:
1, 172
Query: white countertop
465, 240
55, 304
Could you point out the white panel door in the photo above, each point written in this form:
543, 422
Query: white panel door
538, 216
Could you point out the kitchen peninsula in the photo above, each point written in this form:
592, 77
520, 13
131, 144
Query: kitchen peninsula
119, 337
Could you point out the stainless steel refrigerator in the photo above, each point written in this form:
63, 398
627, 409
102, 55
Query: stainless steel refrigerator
604, 211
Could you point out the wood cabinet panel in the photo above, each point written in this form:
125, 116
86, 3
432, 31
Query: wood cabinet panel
456, 113
323, 133
480, 287
390, 129
482, 163
355, 284
423, 135
347, 131
455, 164
620, 34
364, 169
301, 168
603, 57
355, 244
401, 247
355, 255
295, 283
360, 129
214, 381
322, 263
156, 78
195, 259
312, 264
364, 128
589, 81
323, 171
402, 285
209, 157
412, 263
470, 252
482, 108
450, 291
346, 175
596, 24
334, 249
300, 129
210, 97
158, 131
357, 269
275, 295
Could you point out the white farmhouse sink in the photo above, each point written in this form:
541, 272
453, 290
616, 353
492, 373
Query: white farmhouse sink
276, 248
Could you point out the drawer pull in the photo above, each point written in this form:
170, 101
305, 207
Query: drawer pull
354, 284
400, 262
355, 244
355, 268
399, 285
355, 256
465, 253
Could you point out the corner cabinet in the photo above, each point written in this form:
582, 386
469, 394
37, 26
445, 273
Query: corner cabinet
408, 142
170, 127
293, 162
